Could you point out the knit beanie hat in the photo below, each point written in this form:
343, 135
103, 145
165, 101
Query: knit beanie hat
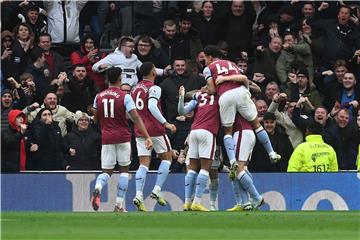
79, 114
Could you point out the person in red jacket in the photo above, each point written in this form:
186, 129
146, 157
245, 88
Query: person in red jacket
88, 55
13, 143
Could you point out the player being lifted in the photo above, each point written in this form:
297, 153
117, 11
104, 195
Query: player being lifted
224, 78
110, 108
147, 101
202, 143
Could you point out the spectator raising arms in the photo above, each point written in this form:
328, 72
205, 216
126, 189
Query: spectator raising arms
88, 55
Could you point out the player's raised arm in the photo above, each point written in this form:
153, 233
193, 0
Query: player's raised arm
183, 110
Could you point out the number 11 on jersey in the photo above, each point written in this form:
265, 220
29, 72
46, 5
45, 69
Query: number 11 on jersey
108, 105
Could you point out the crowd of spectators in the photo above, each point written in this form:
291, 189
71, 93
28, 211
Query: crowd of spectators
304, 55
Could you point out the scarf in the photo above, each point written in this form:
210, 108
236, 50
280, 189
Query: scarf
25, 45
22, 154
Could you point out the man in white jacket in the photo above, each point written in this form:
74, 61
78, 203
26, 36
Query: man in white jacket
60, 113
124, 58
60, 13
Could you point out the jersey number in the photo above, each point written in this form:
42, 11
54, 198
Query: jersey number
139, 103
203, 100
222, 69
108, 107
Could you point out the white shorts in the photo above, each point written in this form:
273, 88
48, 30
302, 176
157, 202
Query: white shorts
202, 144
215, 164
112, 153
244, 143
161, 144
236, 100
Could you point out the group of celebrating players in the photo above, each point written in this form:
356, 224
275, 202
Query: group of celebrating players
226, 99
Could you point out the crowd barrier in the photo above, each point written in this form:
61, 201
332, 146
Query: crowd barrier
282, 191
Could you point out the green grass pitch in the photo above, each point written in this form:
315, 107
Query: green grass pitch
182, 225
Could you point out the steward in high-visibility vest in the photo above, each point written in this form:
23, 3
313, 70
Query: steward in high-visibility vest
313, 155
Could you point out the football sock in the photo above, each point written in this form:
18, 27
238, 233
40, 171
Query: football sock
101, 181
214, 187
244, 195
201, 182
189, 185
230, 148
264, 139
236, 189
162, 174
140, 178
249, 173
122, 188
247, 184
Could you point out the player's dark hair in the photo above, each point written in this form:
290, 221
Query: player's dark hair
113, 74
146, 68
213, 51
314, 128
